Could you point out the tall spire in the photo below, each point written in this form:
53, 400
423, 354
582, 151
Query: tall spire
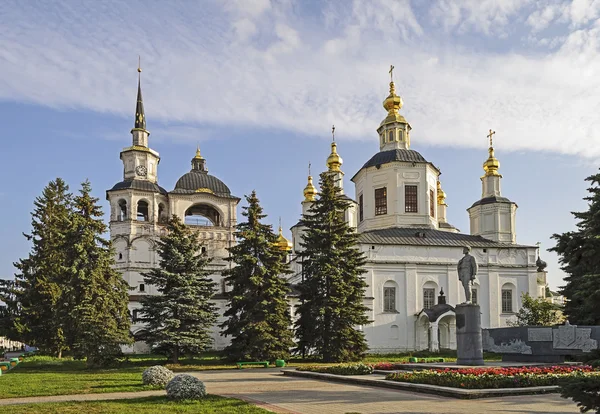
139, 131
140, 117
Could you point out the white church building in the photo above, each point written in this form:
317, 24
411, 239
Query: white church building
399, 211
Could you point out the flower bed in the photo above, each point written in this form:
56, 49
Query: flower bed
486, 378
342, 369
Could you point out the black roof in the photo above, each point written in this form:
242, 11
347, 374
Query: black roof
384, 157
427, 237
197, 179
141, 185
437, 310
492, 199
402, 155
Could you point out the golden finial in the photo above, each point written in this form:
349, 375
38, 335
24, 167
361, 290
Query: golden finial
490, 137
309, 191
393, 103
282, 243
441, 195
198, 156
139, 64
491, 165
334, 161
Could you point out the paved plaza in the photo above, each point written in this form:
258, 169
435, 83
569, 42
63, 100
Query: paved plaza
268, 388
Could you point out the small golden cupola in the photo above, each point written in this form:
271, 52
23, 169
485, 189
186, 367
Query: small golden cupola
394, 130
441, 195
282, 243
491, 165
310, 191
334, 161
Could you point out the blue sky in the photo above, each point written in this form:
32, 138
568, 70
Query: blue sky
258, 84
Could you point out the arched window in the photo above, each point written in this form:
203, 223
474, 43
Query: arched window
135, 316
391, 136
120, 256
202, 215
122, 212
142, 211
508, 297
429, 290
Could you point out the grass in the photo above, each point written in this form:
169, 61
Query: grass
150, 405
39, 375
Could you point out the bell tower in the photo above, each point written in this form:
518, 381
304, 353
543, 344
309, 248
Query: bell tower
493, 216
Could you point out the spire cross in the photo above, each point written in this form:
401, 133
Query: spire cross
333, 132
490, 136
309, 168
279, 221
391, 72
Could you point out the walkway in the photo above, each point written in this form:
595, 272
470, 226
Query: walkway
269, 389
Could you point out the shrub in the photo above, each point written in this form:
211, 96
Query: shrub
185, 387
157, 375
485, 378
342, 369
582, 389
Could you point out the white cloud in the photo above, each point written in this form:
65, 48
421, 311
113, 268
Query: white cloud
279, 65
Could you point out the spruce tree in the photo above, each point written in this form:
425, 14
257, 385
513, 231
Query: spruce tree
258, 311
579, 255
180, 318
96, 294
332, 291
38, 285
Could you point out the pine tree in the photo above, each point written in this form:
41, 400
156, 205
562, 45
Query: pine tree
96, 294
259, 320
579, 253
179, 320
332, 291
38, 285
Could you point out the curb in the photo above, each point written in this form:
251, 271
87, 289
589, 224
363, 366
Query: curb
426, 388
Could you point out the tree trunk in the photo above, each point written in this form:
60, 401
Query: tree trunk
175, 356
59, 355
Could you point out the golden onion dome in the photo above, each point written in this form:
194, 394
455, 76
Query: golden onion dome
441, 195
491, 165
310, 191
282, 243
334, 161
392, 104
198, 156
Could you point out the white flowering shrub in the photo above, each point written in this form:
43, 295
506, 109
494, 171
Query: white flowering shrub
185, 387
157, 375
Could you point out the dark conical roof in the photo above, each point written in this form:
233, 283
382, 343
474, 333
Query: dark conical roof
140, 116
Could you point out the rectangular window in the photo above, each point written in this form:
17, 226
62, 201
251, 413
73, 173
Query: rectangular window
507, 301
431, 203
360, 208
474, 299
428, 298
380, 201
389, 299
135, 315
410, 199
391, 136
142, 287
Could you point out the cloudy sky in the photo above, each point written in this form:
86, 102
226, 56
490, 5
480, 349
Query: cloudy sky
259, 83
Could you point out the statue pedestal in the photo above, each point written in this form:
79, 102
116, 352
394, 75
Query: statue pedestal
469, 347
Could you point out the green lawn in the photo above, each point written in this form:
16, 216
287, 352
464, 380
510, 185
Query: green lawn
38, 376
150, 405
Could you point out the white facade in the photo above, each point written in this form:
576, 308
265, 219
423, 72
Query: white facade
399, 211
412, 251
139, 209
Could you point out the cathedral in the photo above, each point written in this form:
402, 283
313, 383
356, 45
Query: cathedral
398, 210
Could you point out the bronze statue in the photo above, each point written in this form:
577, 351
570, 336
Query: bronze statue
467, 269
